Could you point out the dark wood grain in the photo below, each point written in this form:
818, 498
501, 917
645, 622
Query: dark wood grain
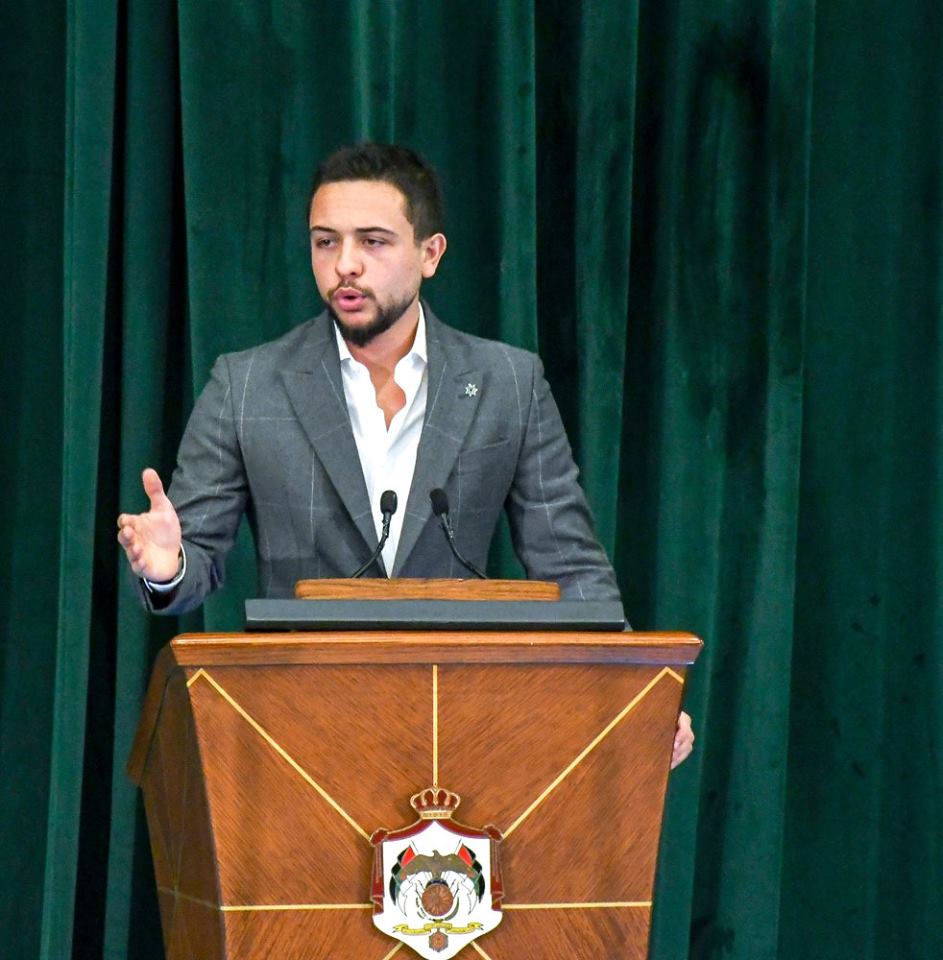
571, 934
380, 714
309, 934
277, 840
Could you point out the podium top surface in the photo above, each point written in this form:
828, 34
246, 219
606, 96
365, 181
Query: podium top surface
435, 614
285, 648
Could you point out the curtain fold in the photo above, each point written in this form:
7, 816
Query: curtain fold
32, 46
719, 224
726, 207
863, 836
586, 123
90, 65
150, 407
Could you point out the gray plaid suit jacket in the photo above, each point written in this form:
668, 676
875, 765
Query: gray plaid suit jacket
270, 437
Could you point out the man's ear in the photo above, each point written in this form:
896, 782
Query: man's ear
432, 250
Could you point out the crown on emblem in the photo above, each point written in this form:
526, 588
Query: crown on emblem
435, 803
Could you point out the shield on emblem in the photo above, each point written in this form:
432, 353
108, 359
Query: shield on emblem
436, 883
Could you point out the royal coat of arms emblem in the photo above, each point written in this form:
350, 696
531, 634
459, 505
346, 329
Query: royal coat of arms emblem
436, 883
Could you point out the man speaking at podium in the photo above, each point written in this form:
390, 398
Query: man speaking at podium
305, 434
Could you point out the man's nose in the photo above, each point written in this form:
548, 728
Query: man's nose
348, 262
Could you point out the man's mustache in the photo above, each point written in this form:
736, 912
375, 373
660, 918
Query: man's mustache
363, 291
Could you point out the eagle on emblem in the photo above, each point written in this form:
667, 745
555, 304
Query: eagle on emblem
436, 880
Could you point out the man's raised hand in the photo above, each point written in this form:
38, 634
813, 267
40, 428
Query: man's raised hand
151, 540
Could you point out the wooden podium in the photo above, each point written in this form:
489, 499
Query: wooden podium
267, 760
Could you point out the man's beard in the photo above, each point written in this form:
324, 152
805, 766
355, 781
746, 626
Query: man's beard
385, 318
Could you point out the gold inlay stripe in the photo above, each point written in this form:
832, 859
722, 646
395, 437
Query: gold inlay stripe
275, 907
287, 907
177, 895
435, 725
602, 905
283, 753
677, 676
584, 753
394, 951
200, 673
482, 952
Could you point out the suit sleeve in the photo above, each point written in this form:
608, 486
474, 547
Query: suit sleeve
209, 491
550, 520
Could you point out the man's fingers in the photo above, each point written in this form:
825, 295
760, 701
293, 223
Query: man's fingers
127, 530
131, 560
684, 740
680, 755
154, 488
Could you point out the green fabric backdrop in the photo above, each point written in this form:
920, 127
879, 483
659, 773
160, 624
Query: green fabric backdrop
720, 223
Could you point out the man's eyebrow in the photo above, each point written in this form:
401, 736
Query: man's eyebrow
318, 228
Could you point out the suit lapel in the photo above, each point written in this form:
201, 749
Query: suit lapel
450, 409
316, 393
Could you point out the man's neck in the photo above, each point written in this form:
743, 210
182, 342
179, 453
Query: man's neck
386, 350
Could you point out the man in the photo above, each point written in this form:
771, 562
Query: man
304, 434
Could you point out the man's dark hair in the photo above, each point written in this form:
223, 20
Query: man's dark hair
401, 167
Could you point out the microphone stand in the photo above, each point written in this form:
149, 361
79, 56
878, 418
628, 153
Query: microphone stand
388, 508
440, 507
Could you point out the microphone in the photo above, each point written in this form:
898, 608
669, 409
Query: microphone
440, 507
387, 509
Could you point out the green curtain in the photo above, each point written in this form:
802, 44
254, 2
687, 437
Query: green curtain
721, 225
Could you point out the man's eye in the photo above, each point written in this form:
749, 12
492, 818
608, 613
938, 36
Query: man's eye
323, 242
373, 242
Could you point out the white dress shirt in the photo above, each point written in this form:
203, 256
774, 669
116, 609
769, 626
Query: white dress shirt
387, 456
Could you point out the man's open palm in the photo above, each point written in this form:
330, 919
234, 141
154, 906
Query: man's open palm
151, 540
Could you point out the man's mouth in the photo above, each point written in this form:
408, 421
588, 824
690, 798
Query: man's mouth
349, 299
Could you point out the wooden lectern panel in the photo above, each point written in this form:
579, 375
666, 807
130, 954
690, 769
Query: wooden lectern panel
381, 588
264, 781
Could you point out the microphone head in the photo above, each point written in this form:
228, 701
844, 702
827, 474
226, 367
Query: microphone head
440, 502
388, 502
